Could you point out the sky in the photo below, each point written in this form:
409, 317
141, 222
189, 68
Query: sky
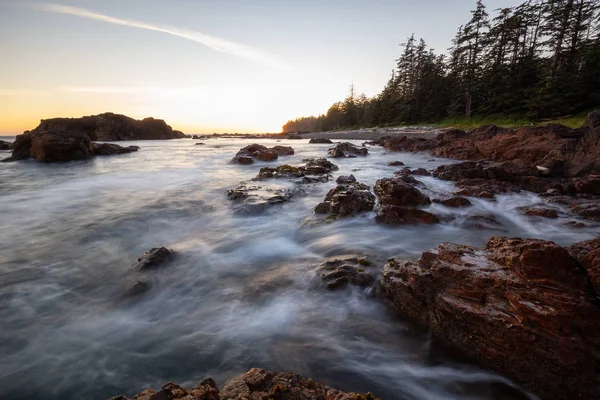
206, 65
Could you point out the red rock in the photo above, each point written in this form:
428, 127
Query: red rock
540, 212
347, 199
258, 151
342, 150
394, 215
520, 306
283, 150
394, 191
455, 202
587, 255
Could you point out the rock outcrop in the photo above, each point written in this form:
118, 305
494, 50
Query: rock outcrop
315, 170
347, 199
346, 149
398, 202
260, 152
112, 127
255, 384
524, 307
154, 258
60, 146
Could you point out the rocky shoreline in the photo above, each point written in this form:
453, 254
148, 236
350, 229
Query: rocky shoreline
527, 308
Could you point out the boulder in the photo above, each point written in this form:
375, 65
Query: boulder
420, 171
455, 202
345, 179
109, 149
394, 191
347, 199
4, 145
111, 127
247, 154
283, 150
318, 166
320, 141
342, 150
153, 258
521, 306
281, 171
395, 164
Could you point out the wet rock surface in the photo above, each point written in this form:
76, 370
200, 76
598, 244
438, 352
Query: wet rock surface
254, 151
524, 307
315, 170
455, 202
154, 258
346, 149
255, 384
346, 179
347, 199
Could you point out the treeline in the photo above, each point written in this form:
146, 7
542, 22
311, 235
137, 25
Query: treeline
538, 60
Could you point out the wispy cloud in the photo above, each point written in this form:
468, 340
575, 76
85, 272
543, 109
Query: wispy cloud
215, 43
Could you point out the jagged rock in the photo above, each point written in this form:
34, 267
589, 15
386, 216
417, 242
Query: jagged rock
250, 199
520, 306
347, 199
342, 150
109, 149
396, 164
345, 179
153, 258
111, 127
484, 188
487, 222
320, 141
315, 170
339, 272
455, 202
540, 212
405, 176
4, 145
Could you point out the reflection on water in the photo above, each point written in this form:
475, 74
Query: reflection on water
242, 293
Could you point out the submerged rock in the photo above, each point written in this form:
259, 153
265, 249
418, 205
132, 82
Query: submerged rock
521, 306
346, 149
347, 199
317, 166
540, 212
154, 258
253, 385
320, 141
109, 149
339, 272
345, 179
281, 171
315, 170
395, 164
250, 199
455, 202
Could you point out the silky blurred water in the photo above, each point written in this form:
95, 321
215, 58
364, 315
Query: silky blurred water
243, 291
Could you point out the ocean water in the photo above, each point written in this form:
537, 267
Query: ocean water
243, 291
